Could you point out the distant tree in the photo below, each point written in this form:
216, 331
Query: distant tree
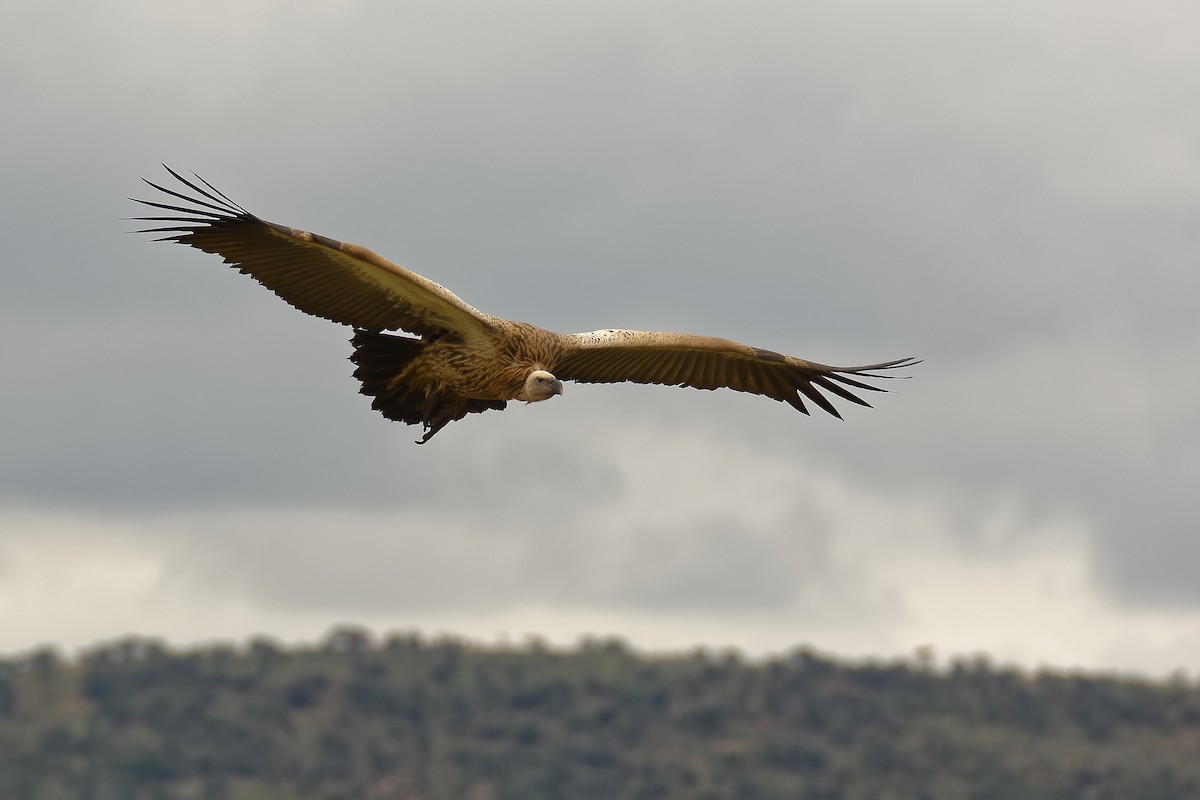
441, 719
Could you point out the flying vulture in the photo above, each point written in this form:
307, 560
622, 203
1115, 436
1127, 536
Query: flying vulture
460, 360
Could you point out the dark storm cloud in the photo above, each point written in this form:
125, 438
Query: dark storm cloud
1005, 190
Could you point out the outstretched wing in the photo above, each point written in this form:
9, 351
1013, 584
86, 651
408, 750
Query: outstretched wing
320, 276
705, 362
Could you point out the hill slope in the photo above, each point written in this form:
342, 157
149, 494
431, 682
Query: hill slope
409, 718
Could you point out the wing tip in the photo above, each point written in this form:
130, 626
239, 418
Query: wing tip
870, 371
897, 363
208, 204
834, 379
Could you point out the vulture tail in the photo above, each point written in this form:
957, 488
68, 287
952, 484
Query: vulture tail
385, 367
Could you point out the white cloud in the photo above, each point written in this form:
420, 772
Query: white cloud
808, 558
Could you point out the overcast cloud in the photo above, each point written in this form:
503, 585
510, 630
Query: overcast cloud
1010, 191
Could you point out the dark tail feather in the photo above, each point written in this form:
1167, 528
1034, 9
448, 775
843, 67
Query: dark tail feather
382, 359
379, 358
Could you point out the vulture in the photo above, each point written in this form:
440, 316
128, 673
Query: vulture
459, 360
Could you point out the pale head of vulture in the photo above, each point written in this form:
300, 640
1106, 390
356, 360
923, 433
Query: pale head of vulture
540, 385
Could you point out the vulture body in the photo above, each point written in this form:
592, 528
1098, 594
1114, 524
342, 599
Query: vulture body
460, 360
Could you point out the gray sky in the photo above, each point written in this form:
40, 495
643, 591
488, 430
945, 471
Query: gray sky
1007, 190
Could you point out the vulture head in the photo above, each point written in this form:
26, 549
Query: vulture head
540, 385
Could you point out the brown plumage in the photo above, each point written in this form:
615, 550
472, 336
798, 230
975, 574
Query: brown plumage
465, 361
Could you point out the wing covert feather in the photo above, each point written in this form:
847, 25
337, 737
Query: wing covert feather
335, 280
706, 362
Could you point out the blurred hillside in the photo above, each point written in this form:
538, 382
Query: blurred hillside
409, 718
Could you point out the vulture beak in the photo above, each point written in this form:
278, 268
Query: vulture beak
557, 386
